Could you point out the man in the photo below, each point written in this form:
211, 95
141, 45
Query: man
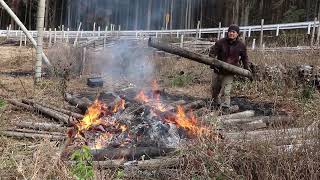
230, 50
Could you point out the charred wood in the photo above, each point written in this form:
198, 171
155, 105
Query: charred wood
82, 105
195, 105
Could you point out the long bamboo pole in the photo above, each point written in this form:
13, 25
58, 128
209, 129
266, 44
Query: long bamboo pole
24, 29
199, 58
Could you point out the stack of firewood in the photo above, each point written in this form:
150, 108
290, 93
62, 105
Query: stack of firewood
53, 131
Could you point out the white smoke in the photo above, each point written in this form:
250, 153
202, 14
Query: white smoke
127, 61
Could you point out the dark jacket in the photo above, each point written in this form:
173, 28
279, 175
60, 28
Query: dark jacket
231, 52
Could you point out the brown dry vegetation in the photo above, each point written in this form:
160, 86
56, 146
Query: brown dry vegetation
203, 158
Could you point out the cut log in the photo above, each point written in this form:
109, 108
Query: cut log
129, 153
269, 120
64, 111
198, 58
31, 135
46, 111
52, 113
267, 134
240, 115
36, 132
82, 105
21, 105
41, 126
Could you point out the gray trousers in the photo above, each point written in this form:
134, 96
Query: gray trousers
221, 88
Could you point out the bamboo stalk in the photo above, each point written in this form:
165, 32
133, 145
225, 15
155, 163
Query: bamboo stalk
64, 111
199, 58
30, 135
41, 126
31, 131
21, 105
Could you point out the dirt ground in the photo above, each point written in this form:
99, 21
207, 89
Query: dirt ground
179, 77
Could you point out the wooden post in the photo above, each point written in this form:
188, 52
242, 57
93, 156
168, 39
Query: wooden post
20, 39
309, 28
181, 40
261, 33
119, 30
253, 44
278, 28
198, 30
62, 38
249, 33
318, 33
94, 29
156, 34
55, 36
105, 36
8, 32
25, 40
50, 38
83, 60
219, 31
67, 40
313, 31
99, 31
76, 39
177, 34
244, 36
223, 33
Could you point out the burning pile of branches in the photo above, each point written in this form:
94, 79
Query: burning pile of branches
152, 126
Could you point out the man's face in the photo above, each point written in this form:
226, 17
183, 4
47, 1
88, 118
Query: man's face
233, 35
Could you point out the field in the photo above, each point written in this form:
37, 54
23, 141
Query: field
203, 158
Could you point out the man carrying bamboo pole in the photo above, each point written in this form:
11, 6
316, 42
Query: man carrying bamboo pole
230, 50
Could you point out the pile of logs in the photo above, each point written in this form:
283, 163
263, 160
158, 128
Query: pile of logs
54, 131
242, 126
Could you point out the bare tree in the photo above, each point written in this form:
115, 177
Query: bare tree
40, 23
149, 14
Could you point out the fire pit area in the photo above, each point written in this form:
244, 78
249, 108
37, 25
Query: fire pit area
133, 123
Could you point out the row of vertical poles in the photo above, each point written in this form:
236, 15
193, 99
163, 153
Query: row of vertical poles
64, 35
262, 44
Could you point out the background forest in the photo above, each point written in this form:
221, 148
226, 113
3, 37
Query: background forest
153, 14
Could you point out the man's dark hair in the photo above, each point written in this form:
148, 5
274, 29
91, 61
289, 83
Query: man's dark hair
234, 27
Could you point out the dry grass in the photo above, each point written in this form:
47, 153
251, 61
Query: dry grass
204, 158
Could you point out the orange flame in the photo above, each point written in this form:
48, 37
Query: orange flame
186, 122
92, 116
142, 97
119, 105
